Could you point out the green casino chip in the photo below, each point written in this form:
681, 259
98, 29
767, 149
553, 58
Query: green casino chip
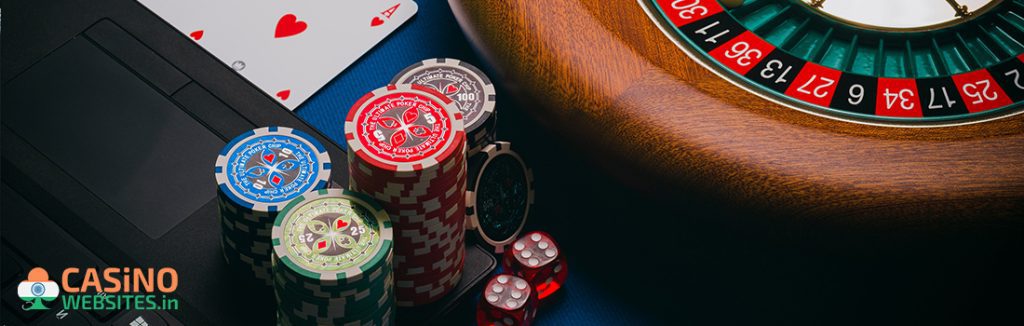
372, 279
356, 306
332, 235
332, 259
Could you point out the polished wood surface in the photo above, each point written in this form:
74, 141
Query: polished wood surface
606, 77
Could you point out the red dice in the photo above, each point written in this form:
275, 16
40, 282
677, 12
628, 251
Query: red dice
507, 301
536, 258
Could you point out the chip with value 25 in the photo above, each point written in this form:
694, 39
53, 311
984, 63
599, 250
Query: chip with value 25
332, 257
332, 234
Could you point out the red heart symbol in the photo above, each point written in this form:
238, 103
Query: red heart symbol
341, 224
268, 157
451, 89
288, 25
283, 95
197, 35
376, 21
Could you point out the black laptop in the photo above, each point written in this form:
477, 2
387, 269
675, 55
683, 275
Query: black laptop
111, 122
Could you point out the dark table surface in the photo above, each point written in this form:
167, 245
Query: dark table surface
640, 258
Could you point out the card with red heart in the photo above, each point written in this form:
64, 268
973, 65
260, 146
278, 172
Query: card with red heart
287, 49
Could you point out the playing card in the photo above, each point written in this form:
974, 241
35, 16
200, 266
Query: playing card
289, 49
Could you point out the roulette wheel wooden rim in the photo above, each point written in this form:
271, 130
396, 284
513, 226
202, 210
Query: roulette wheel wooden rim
608, 79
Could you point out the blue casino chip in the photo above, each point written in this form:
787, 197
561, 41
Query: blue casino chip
265, 168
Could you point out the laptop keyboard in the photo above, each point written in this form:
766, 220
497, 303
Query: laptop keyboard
22, 236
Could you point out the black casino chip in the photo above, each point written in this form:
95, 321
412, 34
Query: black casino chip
499, 195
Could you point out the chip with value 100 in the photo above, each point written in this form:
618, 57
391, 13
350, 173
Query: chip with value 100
467, 86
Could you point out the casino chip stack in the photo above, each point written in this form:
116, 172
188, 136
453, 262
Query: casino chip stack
332, 260
500, 195
407, 149
257, 173
465, 84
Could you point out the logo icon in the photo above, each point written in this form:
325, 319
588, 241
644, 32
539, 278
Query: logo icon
37, 288
139, 321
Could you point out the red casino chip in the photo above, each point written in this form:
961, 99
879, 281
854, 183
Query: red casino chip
410, 189
417, 176
434, 278
445, 190
437, 246
426, 293
436, 257
404, 128
418, 231
435, 273
431, 250
409, 147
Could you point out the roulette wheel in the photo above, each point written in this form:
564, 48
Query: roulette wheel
865, 112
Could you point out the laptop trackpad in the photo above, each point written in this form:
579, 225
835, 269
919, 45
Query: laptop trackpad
114, 133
